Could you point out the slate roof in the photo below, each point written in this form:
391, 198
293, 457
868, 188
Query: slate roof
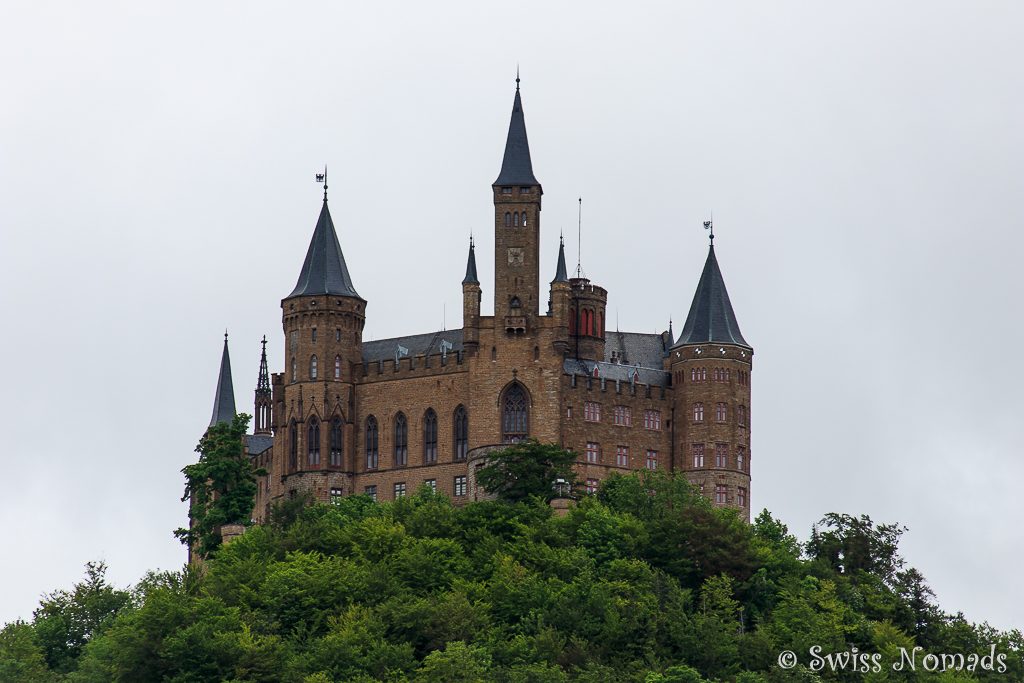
616, 371
636, 347
258, 443
418, 344
560, 273
516, 166
324, 270
471, 278
711, 317
224, 399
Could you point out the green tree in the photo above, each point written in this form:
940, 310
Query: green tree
221, 487
21, 657
66, 620
526, 470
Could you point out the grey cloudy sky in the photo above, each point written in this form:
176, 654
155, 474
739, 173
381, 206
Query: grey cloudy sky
863, 162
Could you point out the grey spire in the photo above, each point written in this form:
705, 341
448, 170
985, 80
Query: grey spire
560, 272
471, 278
516, 167
324, 270
263, 382
711, 317
224, 400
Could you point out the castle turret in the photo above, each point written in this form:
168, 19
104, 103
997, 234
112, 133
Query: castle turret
710, 365
559, 300
517, 203
471, 304
264, 397
587, 307
224, 399
323, 321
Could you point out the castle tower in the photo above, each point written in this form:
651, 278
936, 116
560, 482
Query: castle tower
264, 398
224, 399
323, 319
517, 203
471, 304
710, 365
559, 301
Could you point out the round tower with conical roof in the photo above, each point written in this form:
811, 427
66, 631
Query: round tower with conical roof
323, 319
710, 365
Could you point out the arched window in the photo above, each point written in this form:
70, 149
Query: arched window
337, 445
401, 440
524, 219
698, 412
599, 328
372, 459
337, 367
312, 367
313, 443
430, 436
508, 219
461, 433
515, 219
515, 415
295, 373
293, 446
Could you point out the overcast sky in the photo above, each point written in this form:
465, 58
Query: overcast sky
863, 162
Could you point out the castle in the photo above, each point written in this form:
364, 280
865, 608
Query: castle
386, 417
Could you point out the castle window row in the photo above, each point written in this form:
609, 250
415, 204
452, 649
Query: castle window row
722, 413
622, 416
742, 462
515, 219
400, 441
400, 489
721, 375
592, 455
314, 367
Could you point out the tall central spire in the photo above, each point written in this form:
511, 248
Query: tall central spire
516, 166
224, 400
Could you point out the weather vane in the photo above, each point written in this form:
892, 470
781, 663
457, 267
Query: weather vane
710, 226
322, 178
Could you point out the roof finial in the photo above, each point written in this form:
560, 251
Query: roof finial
322, 178
710, 227
225, 335
517, 76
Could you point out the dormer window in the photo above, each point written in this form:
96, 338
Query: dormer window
506, 190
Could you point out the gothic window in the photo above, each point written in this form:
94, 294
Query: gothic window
515, 219
524, 219
652, 460
515, 422
721, 455
401, 440
741, 413
741, 458
295, 374
599, 328
508, 219
592, 411
337, 445
698, 412
337, 334
430, 436
313, 443
698, 455
461, 433
721, 411
372, 456
312, 367
741, 496
337, 367
293, 445
572, 321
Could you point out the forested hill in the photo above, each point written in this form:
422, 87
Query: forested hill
643, 582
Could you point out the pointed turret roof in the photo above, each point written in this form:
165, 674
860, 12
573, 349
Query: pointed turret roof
263, 381
471, 278
561, 275
711, 317
224, 400
516, 167
324, 270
